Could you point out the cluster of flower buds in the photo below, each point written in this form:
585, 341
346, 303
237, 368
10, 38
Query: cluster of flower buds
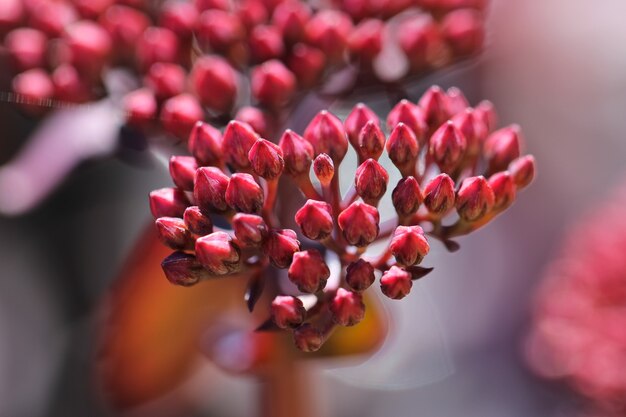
578, 332
440, 146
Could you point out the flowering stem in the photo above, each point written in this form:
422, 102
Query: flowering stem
285, 390
304, 183
270, 200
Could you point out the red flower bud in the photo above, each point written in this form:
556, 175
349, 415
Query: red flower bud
420, 40
409, 245
280, 246
473, 129
251, 12
266, 159
218, 253
266, 43
308, 271
297, 153
156, 45
168, 202
290, 17
250, 229
396, 283
179, 115
326, 134
91, 9
347, 308
434, 106
403, 147
69, 86
27, 48
36, 88
209, 190
503, 186
447, 147
89, 45
464, 30
360, 275
474, 199
407, 196
140, 107
439, 194
307, 338
215, 82
523, 170
202, 5
219, 30
183, 269
51, 16
324, 169
258, 120
356, 120
315, 219
205, 144
196, 222
329, 31
371, 181
183, 170
502, 147
237, 142
359, 223
244, 194
126, 25
307, 63
486, 112
366, 40
272, 83
457, 102
173, 233
179, 17
165, 79
370, 142
287, 311
11, 14
411, 115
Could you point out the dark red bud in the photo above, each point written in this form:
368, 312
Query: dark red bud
179, 17
280, 246
69, 86
209, 190
327, 135
407, 196
315, 219
249, 229
486, 112
237, 142
474, 199
366, 39
290, 17
26, 48
126, 26
219, 30
307, 63
370, 142
266, 159
166, 79
502, 147
297, 153
464, 30
11, 14
420, 39
434, 105
51, 16
257, 119
409, 245
218, 253
156, 45
183, 170
439, 194
202, 5
456, 102
411, 115
371, 181
360, 275
356, 120
396, 283
140, 107
403, 147
308, 271
447, 147
180, 113
287, 311
244, 194
266, 43
215, 82
503, 186
205, 144
168, 202
359, 223
173, 233
347, 308
272, 83
183, 269
89, 46
324, 169
473, 129
329, 31
523, 170
252, 12
307, 338
196, 222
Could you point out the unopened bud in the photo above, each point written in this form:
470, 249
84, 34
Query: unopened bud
140, 107
266, 43
180, 114
297, 153
89, 45
447, 147
523, 170
126, 26
209, 189
237, 142
403, 148
371, 181
290, 17
35, 88
329, 31
307, 63
196, 222
266, 159
179, 17
407, 196
308, 271
411, 115
464, 30
280, 247
272, 83
205, 144
409, 245
360, 275
347, 308
370, 142
287, 311
396, 283
473, 129
218, 253
173, 233
439, 194
315, 219
183, 170
70, 86
456, 102
366, 39
251, 12
502, 147
168, 202
356, 120
420, 40
219, 30
359, 223
324, 169
327, 135
258, 120
183, 269
249, 229
244, 194
166, 79
307, 338
26, 48
503, 186
474, 199
434, 106
156, 45
215, 82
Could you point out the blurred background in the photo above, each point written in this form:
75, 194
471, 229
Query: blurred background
556, 67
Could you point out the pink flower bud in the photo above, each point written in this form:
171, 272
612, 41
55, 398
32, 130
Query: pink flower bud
165, 79
196, 222
209, 190
486, 112
290, 17
266, 159
266, 43
89, 45
52, 17
326, 134
523, 170
251, 12
434, 106
237, 142
202, 5
370, 142
26, 48
371, 181
503, 186
366, 40
287, 311
69, 86
36, 88
168, 202
315, 219
420, 40
183, 269
11, 15
502, 147
126, 25
179, 115
250, 229
307, 338
447, 147
244, 194
215, 82
411, 115
183, 170
297, 153
218, 253
407, 196
409, 245
280, 246
173, 233
356, 120
258, 120
439, 194
307, 63
464, 30
205, 144
396, 283
347, 308
473, 129
359, 223
91, 9
156, 45
457, 102
140, 107
272, 83
179, 17
403, 147
474, 199
308, 271
329, 31
219, 30
324, 169
360, 275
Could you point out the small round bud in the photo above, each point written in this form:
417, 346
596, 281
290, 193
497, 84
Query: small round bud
523, 170
173, 233
360, 275
307, 338
396, 283
464, 30
26, 48
35, 87
215, 82
266, 159
287, 311
168, 202
434, 106
502, 147
411, 115
370, 142
439, 194
218, 253
315, 219
324, 169
126, 26
407, 196
244, 194
166, 79
403, 147
280, 247
447, 147
219, 30
366, 39
272, 83
359, 223
290, 17
347, 308
474, 199
183, 171
326, 134
236, 143
209, 189
308, 271
89, 45
371, 181
140, 107
329, 31
205, 144
179, 17
297, 153
409, 245
180, 114
307, 63
503, 186
266, 43
196, 222
356, 120
156, 45
183, 269
420, 39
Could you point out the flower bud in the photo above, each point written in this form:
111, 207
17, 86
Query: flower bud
371, 181
503, 186
420, 40
166, 79
403, 147
69, 86
370, 142
173, 233
258, 120
168, 202
359, 223
396, 283
183, 269
411, 115
140, 107
356, 120
287, 311
486, 112
205, 144
464, 31
360, 275
219, 30
324, 169
179, 115
202, 5
89, 45
266, 43
473, 129
523, 170
251, 12
315, 219
409, 245
366, 39
474, 199
439, 194
434, 106
11, 14
218, 253
347, 307
307, 338
329, 31
297, 153
237, 142
215, 82
456, 102
243, 194
290, 17
307, 63
196, 222
407, 196
183, 170
179, 17
26, 48
308, 271
280, 247
326, 134
156, 45
51, 16
249, 229
502, 147
272, 83
266, 159
209, 189
35, 87
126, 26
447, 147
